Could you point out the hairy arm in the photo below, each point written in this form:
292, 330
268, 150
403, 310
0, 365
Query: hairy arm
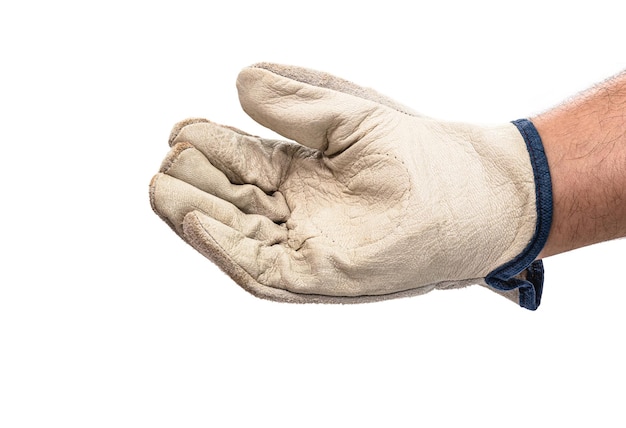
585, 143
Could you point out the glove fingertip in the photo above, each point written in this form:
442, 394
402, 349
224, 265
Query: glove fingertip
154, 204
180, 125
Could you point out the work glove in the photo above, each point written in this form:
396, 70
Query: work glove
366, 200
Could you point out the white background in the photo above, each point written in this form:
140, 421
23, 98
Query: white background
109, 319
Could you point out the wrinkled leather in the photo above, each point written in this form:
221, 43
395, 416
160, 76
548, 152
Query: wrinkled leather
369, 200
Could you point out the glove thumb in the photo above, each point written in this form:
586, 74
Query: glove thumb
313, 108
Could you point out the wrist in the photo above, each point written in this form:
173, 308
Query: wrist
585, 143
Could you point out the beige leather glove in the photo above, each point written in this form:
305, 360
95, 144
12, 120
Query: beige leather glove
371, 201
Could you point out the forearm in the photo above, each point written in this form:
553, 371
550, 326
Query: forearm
585, 143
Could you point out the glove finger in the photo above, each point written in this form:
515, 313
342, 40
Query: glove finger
250, 262
187, 164
313, 115
180, 125
328, 81
172, 199
243, 158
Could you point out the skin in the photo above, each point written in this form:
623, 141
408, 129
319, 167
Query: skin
585, 143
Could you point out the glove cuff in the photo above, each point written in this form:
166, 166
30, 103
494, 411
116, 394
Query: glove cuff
524, 273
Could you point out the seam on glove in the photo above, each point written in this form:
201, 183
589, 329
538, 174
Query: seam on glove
503, 278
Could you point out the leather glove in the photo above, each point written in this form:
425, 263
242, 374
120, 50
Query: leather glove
369, 200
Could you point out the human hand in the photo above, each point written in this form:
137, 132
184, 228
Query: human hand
369, 201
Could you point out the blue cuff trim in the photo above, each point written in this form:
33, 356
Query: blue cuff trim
504, 277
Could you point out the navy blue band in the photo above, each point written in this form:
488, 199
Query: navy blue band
505, 277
